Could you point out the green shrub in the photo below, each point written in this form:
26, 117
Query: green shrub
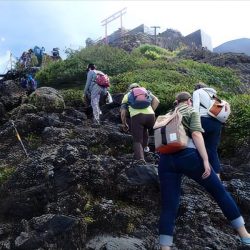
5, 173
72, 71
236, 133
153, 52
34, 141
72, 97
220, 78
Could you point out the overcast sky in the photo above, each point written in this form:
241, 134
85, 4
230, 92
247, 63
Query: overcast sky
67, 24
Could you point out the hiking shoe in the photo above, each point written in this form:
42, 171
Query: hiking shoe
245, 241
146, 149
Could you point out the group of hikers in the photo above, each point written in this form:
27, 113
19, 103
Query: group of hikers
25, 60
27, 80
198, 160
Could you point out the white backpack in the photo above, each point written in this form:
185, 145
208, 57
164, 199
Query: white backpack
219, 109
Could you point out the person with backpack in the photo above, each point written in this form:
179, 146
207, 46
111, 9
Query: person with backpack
96, 85
212, 127
192, 162
141, 104
32, 84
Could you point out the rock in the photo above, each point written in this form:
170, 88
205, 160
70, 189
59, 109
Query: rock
73, 191
110, 242
11, 94
53, 231
47, 99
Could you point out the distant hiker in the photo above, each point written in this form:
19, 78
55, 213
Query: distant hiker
31, 84
141, 105
55, 54
96, 85
211, 126
24, 59
192, 162
39, 54
24, 82
28, 83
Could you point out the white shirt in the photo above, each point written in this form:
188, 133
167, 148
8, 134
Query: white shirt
203, 96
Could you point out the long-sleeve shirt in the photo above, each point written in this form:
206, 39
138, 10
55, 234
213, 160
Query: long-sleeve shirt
91, 87
202, 99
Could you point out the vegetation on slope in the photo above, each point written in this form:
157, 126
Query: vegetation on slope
157, 69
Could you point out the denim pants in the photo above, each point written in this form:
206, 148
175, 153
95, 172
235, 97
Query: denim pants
211, 137
188, 162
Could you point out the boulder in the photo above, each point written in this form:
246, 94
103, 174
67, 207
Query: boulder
11, 95
47, 99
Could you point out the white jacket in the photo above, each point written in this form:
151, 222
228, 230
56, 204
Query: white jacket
203, 96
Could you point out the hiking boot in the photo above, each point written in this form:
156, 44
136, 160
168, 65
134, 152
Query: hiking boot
146, 149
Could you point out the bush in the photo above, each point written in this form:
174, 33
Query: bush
153, 52
236, 132
72, 71
72, 97
5, 173
220, 78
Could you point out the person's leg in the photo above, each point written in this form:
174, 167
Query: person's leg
243, 233
227, 204
137, 133
213, 185
148, 123
95, 106
170, 183
86, 102
211, 137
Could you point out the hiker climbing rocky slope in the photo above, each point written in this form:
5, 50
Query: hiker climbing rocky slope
73, 191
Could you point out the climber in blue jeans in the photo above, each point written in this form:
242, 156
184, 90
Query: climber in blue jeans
202, 98
192, 162
212, 137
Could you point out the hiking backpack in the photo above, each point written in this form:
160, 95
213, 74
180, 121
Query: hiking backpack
169, 133
218, 109
32, 84
102, 79
139, 98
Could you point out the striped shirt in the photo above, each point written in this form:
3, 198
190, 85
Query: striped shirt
190, 119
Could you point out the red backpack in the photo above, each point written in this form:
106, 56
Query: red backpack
102, 79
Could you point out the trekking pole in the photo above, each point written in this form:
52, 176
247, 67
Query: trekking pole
19, 138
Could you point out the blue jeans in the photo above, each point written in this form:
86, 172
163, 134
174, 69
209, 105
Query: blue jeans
211, 137
188, 162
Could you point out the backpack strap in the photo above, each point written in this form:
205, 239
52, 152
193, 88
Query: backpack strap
211, 97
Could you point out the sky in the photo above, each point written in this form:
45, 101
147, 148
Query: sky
67, 24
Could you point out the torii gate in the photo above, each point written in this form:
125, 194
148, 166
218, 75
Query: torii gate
116, 15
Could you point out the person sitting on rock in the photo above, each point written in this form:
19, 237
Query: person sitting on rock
192, 162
